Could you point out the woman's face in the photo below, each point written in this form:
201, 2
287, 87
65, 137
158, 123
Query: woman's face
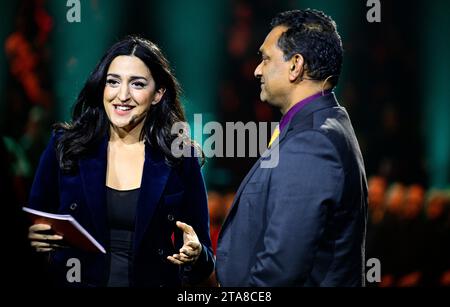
129, 92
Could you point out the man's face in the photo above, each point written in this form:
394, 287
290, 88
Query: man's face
273, 71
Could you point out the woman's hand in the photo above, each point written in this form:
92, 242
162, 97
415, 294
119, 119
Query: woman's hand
191, 249
43, 242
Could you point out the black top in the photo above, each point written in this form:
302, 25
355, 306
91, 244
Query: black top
121, 217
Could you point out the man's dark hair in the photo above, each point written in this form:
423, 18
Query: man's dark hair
312, 34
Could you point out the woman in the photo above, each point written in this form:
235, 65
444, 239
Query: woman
112, 169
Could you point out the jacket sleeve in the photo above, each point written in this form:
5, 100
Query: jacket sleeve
44, 193
304, 187
197, 215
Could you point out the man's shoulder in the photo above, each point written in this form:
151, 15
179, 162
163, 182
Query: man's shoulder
334, 123
308, 141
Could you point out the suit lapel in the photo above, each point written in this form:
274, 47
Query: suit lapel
300, 121
249, 175
154, 178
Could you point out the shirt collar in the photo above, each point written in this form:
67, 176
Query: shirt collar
298, 106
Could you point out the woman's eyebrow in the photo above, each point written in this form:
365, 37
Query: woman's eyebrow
131, 77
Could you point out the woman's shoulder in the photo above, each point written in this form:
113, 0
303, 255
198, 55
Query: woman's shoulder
187, 158
187, 166
193, 156
56, 134
52, 141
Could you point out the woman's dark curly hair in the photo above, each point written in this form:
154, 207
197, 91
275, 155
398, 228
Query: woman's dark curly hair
312, 34
90, 123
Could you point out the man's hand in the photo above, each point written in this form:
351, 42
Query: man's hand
191, 249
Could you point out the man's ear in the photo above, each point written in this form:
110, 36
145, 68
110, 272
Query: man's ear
296, 67
158, 95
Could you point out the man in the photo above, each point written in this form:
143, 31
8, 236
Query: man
302, 222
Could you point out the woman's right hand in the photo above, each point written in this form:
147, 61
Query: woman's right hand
43, 242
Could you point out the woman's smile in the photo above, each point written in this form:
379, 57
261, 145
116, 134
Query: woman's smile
122, 110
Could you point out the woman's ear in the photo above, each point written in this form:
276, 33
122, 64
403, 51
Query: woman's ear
158, 95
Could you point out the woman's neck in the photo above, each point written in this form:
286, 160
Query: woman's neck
122, 136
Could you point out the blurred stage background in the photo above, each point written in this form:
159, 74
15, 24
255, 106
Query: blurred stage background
395, 86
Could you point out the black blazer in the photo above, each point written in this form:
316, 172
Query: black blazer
302, 222
167, 194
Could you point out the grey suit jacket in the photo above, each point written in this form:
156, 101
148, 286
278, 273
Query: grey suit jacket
303, 222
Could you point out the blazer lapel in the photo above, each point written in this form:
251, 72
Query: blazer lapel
93, 175
154, 178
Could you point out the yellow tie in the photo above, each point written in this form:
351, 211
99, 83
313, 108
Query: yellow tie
274, 136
